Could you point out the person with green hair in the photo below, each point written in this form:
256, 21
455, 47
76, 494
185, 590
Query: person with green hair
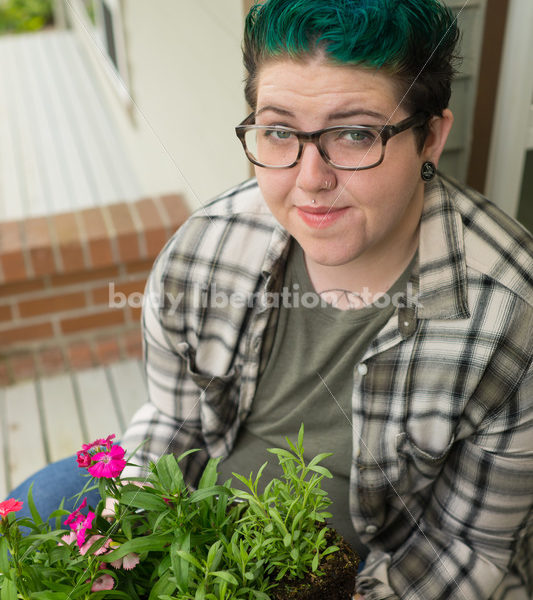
353, 287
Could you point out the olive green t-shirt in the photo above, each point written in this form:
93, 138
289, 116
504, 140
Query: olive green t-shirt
308, 379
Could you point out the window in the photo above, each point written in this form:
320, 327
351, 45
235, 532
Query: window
104, 20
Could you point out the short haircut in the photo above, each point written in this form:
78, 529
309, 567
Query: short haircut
413, 41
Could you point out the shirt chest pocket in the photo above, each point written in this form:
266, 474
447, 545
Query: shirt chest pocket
218, 396
418, 467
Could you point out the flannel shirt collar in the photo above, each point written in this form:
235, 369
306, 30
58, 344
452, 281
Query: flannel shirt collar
442, 275
440, 282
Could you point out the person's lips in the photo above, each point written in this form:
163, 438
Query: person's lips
320, 216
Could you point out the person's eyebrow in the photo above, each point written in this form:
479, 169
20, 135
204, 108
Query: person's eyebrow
280, 111
332, 117
356, 113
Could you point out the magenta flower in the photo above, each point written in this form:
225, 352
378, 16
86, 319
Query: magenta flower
80, 523
81, 530
104, 582
10, 505
75, 516
84, 459
107, 442
108, 464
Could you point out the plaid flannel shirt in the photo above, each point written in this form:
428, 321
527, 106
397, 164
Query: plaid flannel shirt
442, 474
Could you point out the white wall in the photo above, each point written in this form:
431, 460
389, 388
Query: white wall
185, 77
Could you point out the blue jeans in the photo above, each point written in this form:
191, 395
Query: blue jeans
62, 479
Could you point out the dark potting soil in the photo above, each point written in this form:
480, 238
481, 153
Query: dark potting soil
337, 582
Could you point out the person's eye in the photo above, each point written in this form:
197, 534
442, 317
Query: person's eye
356, 135
277, 134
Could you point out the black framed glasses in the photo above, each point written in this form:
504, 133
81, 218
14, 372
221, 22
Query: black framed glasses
348, 147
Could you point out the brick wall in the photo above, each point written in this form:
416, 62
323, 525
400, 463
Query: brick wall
64, 279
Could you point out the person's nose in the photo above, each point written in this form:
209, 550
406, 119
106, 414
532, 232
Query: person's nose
314, 172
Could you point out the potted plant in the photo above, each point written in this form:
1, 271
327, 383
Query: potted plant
170, 543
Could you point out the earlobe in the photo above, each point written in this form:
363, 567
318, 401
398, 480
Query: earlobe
438, 134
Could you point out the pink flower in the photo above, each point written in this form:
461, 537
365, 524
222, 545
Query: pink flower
128, 562
10, 505
67, 539
107, 442
79, 523
104, 582
81, 530
84, 459
75, 517
102, 550
108, 464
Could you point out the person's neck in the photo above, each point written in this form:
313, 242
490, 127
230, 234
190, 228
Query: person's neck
369, 276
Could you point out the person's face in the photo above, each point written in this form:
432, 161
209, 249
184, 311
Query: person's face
363, 212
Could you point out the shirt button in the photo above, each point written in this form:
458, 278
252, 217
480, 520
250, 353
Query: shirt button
357, 452
370, 529
362, 369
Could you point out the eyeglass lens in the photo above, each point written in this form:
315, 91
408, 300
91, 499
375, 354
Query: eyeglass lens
344, 147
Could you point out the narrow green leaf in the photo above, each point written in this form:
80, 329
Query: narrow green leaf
209, 476
319, 458
164, 585
9, 590
301, 438
322, 471
314, 564
4, 560
180, 566
33, 509
281, 452
190, 558
225, 576
330, 550
142, 499
215, 490
140, 544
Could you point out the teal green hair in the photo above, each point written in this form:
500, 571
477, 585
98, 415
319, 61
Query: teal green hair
412, 40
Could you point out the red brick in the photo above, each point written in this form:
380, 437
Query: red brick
23, 366
176, 211
22, 287
106, 294
143, 266
51, 361
107, 351
135, 314
127, 235
80, 356
132, 341
6, 313
95, 321
51, 304
98, 237
154, 231
108, 274
39, 243
11, 251
69, 237
27, 333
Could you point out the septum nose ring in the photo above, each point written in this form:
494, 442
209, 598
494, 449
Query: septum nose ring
327, 186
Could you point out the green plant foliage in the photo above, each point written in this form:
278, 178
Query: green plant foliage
213, 543
18, 16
